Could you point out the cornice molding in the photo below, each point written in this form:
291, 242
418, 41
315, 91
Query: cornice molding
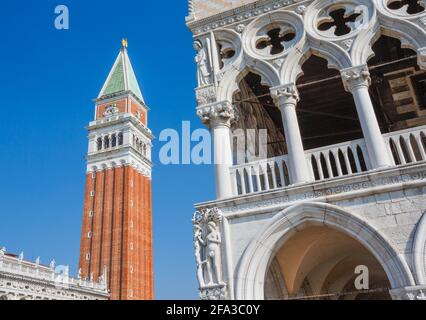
120, 95
240, 14
387, 180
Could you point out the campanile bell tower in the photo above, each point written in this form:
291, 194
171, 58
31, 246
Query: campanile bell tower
117, 219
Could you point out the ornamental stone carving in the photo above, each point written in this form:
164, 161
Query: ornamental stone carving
273, 35
219, 113
356, 77
205, 95
208, 256
336, 20
404, 8
111, 110
240, 28
285, 95
204, 74
214, 293
228, 47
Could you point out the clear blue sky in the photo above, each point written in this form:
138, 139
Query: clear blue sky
48, 79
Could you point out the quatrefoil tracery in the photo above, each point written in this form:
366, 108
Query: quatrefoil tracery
407, 6
275, 40
341, 22
272, 36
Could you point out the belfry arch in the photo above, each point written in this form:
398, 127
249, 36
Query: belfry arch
312, 219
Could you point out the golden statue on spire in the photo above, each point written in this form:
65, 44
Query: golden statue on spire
125, 43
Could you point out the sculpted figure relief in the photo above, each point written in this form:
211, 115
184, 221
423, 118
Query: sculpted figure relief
198, 240
203, 69
207, 244
213, 242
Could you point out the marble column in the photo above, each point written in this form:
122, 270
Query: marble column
286, 98
357, 81
219, 117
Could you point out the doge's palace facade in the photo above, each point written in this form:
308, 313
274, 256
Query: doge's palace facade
340, 88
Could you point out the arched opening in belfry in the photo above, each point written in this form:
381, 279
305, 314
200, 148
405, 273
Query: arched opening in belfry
326, 112
399, 85
320, 263
256, 111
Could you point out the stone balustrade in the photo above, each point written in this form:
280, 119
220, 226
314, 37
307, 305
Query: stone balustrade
42, 281
345, 159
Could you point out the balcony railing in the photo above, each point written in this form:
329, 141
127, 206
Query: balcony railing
263, 175
407, 146
325, 163
338, 160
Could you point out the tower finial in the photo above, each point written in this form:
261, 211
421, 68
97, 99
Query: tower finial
124, 43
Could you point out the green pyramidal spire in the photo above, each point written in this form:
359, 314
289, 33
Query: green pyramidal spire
122, 77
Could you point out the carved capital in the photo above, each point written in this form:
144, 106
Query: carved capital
285, 95
356, 77
215, 114
421, 55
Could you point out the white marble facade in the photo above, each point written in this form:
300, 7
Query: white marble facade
383, 210
21, 279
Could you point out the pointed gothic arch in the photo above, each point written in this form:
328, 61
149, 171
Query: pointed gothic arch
336, 57
410, 35
229, 83
258, 255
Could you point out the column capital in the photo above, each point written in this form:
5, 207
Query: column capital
285, 95
217, 114
356, 77
421, 56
